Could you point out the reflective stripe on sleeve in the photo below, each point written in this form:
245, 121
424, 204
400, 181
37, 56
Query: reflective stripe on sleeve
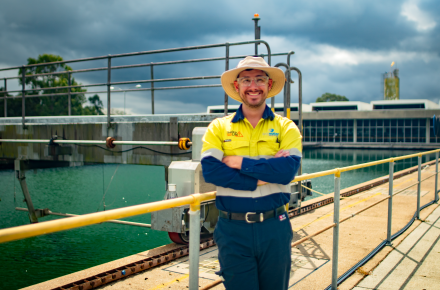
216, 153
295, 151
262, 190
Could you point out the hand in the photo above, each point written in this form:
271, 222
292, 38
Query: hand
233, 161
260, 182
282, 153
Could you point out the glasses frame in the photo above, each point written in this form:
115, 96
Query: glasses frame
253, 79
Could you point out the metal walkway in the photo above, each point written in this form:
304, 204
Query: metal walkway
413, 264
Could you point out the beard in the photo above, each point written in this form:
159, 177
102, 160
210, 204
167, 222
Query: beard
252, 106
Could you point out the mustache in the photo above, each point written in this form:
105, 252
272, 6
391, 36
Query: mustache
253, 91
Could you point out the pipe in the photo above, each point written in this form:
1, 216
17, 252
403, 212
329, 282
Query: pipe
335, 252
194, 247
436, 177
419, 185
92, 142
390, 201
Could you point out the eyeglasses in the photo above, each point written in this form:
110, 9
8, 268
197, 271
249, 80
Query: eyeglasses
259, 81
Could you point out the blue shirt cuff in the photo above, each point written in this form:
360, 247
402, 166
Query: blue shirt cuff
247, 165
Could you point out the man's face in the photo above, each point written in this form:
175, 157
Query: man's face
253, 96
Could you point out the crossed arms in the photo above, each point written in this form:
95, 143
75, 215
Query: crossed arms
241, 173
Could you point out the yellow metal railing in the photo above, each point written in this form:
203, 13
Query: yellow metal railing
337, 171
32, 230
27, 231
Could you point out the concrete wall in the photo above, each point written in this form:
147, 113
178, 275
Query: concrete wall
132, 128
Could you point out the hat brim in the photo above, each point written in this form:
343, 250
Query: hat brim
276, 74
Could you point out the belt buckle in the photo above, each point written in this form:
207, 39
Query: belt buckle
251, 222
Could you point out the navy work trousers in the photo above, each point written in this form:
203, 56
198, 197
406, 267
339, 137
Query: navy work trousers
254, 256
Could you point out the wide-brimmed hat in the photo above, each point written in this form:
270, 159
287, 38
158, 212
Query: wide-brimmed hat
250, 62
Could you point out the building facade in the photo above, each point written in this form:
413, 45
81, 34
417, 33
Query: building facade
406, 124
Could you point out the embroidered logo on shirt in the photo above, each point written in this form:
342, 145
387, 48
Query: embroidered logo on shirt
235, 134
271, 133
282, 217
227, 140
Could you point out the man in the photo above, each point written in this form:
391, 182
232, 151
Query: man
252, 156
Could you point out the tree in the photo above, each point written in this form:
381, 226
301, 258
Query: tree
97, 106
327, 97
53, 105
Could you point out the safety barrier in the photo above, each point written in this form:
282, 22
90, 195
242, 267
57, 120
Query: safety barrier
30, 93
194, 200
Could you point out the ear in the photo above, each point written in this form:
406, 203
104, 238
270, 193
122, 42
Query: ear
236, 85
270, 84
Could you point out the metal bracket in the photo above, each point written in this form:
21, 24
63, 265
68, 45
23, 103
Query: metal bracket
174, 133
20, 174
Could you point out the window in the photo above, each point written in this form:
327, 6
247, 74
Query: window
372, 134
379, 135
415, 135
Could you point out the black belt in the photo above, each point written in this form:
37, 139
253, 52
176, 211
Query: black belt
252, 217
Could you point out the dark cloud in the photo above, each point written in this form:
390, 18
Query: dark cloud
341, 46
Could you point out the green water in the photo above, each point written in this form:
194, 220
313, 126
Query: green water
81, 190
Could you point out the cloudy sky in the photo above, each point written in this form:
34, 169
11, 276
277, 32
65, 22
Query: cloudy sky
340, 46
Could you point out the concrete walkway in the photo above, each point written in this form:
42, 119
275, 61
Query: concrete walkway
413, 264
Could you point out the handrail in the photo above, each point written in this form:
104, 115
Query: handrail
33, 230
137, 53
363, 165
109, 68
138, 65
27, 231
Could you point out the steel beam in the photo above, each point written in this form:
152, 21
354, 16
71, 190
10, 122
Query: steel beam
20, 174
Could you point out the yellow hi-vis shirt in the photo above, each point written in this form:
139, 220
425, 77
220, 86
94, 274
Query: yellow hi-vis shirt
234, 135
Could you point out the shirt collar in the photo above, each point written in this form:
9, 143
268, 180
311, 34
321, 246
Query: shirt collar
267, 114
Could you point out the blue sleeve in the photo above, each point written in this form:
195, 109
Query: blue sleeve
280, 170
218, 173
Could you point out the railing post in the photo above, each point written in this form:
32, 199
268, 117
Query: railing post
23, 88
226, 68
390, 202
152, 88
194, 245
436, 177
5, 88
336, 200
419, 185
300, 119
287, 94
109, 80
69, 83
